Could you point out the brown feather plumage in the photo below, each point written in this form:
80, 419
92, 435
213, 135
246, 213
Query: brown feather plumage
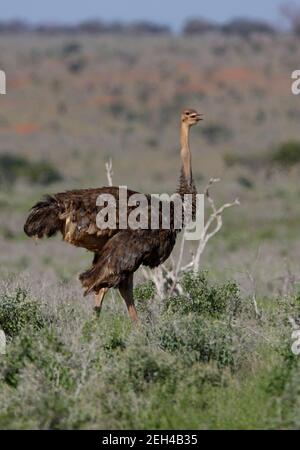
118, 253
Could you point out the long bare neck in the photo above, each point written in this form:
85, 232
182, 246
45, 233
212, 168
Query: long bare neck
186, 183
185, 153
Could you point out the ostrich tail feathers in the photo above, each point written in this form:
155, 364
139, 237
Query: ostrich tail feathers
43, 219
89, 279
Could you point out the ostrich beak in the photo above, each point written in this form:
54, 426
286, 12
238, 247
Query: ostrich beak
199, 117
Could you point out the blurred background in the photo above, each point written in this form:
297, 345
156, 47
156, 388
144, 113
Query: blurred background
97, 80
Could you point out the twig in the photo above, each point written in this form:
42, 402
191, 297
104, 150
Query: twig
178, 265
216, 215
109, 171
251, 278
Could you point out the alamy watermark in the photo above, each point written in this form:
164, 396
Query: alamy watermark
2, 343
2, 82
295, 87
152, 212
296, 344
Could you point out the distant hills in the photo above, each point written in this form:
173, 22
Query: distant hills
194, 26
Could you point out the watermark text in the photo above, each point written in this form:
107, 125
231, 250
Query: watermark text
151, 212
2, 82
296, 84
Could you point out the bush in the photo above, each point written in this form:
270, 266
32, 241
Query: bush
65, 369
245, 27
43, 350
253, 162
76, 65
71, 48
205, 299
197, 324
148, 366
92, 27
199, 340
287, 155
17, 311
215, 133
289, 401
13, 168
198, 26
144, 291
245, 182
147, 28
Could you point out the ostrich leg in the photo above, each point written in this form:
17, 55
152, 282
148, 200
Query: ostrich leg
126, 291
98, 300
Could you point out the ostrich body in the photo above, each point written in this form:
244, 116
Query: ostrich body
118, 253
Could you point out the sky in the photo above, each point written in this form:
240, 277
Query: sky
170, 12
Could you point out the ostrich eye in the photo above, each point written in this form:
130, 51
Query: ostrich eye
187, 113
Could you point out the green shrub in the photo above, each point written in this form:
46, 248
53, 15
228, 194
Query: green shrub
198, 340
215, 133
196, 363
45, 351
42, 172
197, 324
77, 65
245, 182
13, 168
287, 154
152, 142
143, 293
17, 311
203, 298
71, 48
147, 366
289, 400
252, 162
117, 108
115, 337
282, 372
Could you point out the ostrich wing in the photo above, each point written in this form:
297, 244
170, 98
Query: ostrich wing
78, 211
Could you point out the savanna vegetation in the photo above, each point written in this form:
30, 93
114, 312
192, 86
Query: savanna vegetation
201, 360
217, 355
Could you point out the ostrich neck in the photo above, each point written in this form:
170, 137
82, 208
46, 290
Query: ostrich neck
186, 183
185, 153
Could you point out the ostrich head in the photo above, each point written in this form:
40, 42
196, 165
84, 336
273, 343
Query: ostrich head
190, 117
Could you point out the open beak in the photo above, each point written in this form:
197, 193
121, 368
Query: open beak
199, 117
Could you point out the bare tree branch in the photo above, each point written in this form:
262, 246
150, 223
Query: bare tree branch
216, 216
166, 277
109, 172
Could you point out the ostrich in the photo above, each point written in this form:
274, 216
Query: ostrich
118, 253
